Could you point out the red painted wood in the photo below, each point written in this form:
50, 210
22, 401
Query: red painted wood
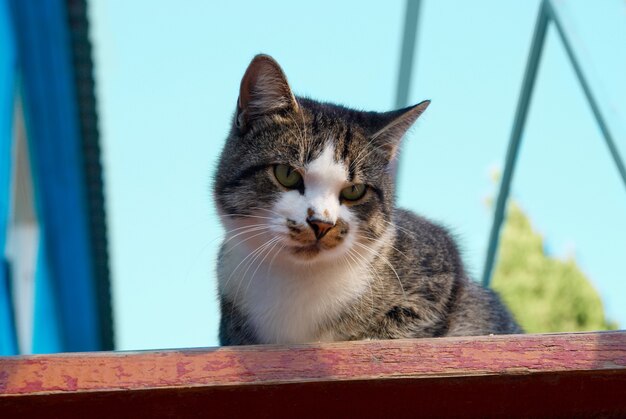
582, 373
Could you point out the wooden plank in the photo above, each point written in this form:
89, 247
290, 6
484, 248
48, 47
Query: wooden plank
570, 375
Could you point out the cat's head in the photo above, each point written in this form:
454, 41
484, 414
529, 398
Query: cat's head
306, 181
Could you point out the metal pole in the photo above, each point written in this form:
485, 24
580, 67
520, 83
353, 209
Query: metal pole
409, 40
619, 162
530, 75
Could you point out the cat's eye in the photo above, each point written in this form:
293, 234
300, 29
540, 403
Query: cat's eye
287, 176
353, 192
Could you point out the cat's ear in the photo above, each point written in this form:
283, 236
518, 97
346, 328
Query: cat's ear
395, 125
264, 89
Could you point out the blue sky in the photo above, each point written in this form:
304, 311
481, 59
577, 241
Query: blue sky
168, 75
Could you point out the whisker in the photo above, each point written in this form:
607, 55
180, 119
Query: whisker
400, 228
257, 253
265, 246
245, 240
307, 143
227, 232
348, 254
276, 254
384, 259
248, 230
368, 263
301, 137
268, 210
244, 227
375, 276
361, 156
276, 242
386, 242
246, 216
249, 255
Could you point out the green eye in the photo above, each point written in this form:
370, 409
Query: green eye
287, 176
354, 192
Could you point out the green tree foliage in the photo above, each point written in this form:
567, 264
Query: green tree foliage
544, 293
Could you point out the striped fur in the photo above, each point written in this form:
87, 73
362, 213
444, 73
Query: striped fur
379, 272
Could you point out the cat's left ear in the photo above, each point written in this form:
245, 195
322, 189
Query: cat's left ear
264, 90
396, 124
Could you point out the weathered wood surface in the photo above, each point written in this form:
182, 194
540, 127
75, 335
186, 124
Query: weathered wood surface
569, 375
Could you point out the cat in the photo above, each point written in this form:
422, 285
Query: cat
315, 249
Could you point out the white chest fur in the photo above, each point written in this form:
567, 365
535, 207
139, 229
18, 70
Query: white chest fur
288, 303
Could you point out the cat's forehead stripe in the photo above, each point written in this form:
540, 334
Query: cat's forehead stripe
347, 142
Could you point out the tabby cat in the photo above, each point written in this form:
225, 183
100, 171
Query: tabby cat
315, 249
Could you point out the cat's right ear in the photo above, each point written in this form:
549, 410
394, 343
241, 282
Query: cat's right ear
264, 90
395, 124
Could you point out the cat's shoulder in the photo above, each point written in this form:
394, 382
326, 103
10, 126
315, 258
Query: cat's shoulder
420, 227
423, 235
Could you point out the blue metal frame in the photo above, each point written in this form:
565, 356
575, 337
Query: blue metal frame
530, 75
407, 54
8, 341
52, 123
557, 17
547, 14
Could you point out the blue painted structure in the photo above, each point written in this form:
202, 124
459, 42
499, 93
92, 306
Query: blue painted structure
8, 342
48, 337
67, 315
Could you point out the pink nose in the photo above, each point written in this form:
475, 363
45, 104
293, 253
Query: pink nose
319, 227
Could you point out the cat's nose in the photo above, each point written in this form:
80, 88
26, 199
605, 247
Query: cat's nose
320, 227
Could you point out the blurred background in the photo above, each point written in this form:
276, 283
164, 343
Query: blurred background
112, 115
